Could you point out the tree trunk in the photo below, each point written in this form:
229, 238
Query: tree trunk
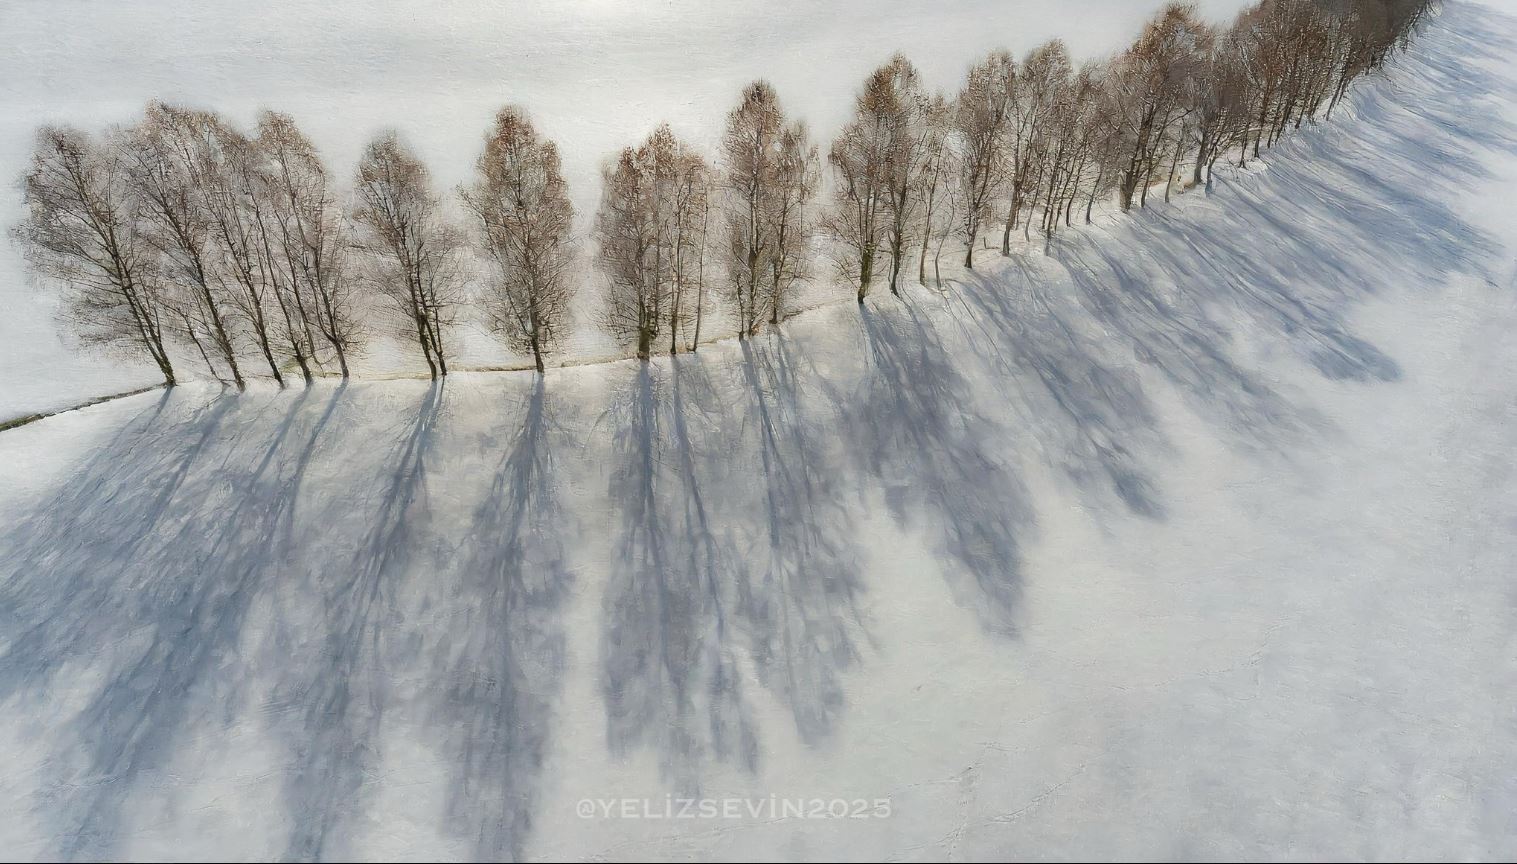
1011, 222
866, 273
1090, 202
426, 345
1195, 177
268, 356
1174, 164
897, 241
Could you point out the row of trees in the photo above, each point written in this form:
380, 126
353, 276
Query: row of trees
183, 235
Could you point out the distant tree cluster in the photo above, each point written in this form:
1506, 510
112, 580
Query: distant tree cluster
185, 236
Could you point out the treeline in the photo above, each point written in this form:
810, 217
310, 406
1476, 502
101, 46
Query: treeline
183, 235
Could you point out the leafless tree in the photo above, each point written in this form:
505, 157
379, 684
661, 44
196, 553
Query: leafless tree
1037, 89
522, 206
233, 192
1150, 80
1221, 108
701, 194
411, 248
688, 222
769, 177
170, 158
313, 240
859, 202
981, 113
944, 219
875, 160
795, 183
651, 229
627, 248
1070, 144
935, 181
81, 229
907, 160
1108, 145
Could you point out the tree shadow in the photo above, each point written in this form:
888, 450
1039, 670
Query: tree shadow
1167, 327
1348, 205
1097, 416
669, 672
66, 561
181, 613
920, 434
338, 698
502, 660
800, 590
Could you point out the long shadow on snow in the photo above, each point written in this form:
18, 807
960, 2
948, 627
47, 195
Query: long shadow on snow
802, 579
921, 435
670, 677
339, 698
502, 664
188, 600
1101, 421
1169, 329
65, 563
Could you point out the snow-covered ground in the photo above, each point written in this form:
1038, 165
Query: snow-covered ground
1191, 539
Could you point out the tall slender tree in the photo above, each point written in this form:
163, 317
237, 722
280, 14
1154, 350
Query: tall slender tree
521, 203
981, 114
411, 247
81, 228
769, 177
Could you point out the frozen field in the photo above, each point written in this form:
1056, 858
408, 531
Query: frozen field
1193, 538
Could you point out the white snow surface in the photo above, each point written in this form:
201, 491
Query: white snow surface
1192, 538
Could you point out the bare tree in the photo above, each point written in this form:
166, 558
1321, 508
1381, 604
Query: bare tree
411, 248
1221, 108
231, 189
934, 180
651, 231
687, 220
80, 229
769, 176
170, 156
313, 238
1108, 146
627, 246
875, 160
522, 204
944, 219
795, 182
981, 115
1150, 79
1069, 144
701, 193
1037, 88
907, 159
859, 201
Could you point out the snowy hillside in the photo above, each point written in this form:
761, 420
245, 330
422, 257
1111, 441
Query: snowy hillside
1192, 538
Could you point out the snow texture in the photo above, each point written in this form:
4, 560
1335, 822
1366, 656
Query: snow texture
1191, 539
